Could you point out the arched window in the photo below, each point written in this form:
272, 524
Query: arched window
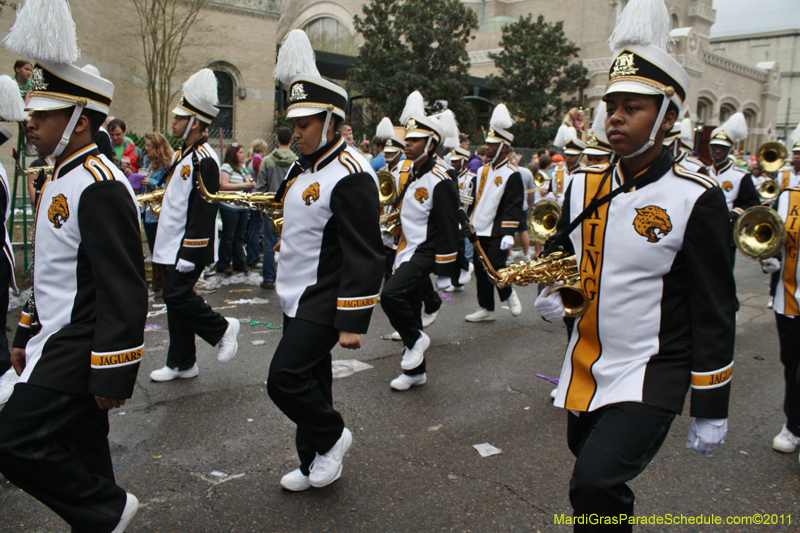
725, 112
703, 110
226, 88
327, 34
674, 22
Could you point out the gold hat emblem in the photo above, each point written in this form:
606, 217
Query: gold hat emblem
298, 93
721, 135
623, 66
37, 80
411, 124
591, 141
58, 213
652, 222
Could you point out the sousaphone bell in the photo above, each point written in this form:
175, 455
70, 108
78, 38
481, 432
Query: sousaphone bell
759, 233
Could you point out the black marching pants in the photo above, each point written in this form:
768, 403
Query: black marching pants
431, 301
5, 280
401, 300
612, 445
461, 263
187, 315
789, 337
497, 257
299, 383
54, 446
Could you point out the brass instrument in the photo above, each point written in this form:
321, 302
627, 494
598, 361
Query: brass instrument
260, 201
539, 181
390, 222
35, 170
769, 190
542, 220
771, 156
466, 194
759, 233
151, 200
387, 191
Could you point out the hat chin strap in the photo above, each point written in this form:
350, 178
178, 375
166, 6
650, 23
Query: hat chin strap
324, 139
654, 132
497, 154
73, 120
188, 128
424, 150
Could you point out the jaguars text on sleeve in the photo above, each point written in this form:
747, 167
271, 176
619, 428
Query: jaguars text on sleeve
498, 200
332, 255
187, 223
661, 324
89, 288
428, 219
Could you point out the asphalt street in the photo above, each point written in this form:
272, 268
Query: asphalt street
206, 454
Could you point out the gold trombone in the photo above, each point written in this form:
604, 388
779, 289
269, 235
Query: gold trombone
759, 233
769, 190
771, 156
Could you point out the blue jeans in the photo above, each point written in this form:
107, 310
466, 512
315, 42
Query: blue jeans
234, 232
254, 233
270, 240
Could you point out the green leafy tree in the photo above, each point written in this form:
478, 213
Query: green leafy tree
412, 45
538, 79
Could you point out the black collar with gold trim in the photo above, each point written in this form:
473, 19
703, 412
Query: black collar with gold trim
652, 173
322, 157
76, 159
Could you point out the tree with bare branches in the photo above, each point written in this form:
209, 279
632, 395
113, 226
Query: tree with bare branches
164, 27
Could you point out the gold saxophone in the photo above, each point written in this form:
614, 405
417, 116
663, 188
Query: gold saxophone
151, 200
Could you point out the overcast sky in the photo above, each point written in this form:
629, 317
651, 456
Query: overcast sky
736, 17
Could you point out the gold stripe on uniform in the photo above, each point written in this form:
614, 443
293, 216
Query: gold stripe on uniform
352, 304
480, 188
446, 258
25, 320
587, 350
712, 380
117, 359
790, 259
195, 243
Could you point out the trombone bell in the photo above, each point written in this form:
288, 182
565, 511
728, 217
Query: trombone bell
771, 156
543, 219
759, 233
769, 190
387, 191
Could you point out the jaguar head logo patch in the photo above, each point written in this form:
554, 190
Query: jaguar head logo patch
652, 222
498, 181
727, 186
185, 172
311, 194
421, 194
58, 213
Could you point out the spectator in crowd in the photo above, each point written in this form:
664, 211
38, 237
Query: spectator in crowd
23, 70
158, 156
273, 169
378, 161
233, 177
346, 131
365, 150
258, 149
129, 156
478, 159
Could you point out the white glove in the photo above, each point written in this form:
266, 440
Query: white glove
388, 240
550, 196
549, 304
184, 266
442, 283
770, 265
507, 242
707, 434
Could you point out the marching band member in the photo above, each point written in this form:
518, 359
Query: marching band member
428, 241
598, 150
465, 179
393, 155
186, 233
331, 264
81, 335
735, 181
12, 108
496, 213
789, 175
562, 172
786, 304
661, 300
680, 142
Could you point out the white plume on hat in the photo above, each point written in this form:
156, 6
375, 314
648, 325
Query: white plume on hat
384, 129
735, 128
44, 31
295, 57
449, 128
599, 123
642, 22
91, 69
794, 136
686, 135
415, 105
12, 106
564, 135
501, 118
203, 86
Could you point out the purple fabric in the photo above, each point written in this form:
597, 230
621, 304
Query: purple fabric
135, 180
474, 163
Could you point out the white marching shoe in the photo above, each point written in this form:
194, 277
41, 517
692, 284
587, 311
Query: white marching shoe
405, 382
514, 305
395, 336
428, 319
327, 468
466, 275
168, 374
481, 315
453, 288
295, 481
229, 344
785, 441
131, 506
413, 357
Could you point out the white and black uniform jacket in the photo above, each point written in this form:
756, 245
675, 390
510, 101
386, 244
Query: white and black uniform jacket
5, 207
661, 301
88, 284
187, 223
691, 163
787, 294
332, 257
498, 192
787, 178
736, 183
428, 206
